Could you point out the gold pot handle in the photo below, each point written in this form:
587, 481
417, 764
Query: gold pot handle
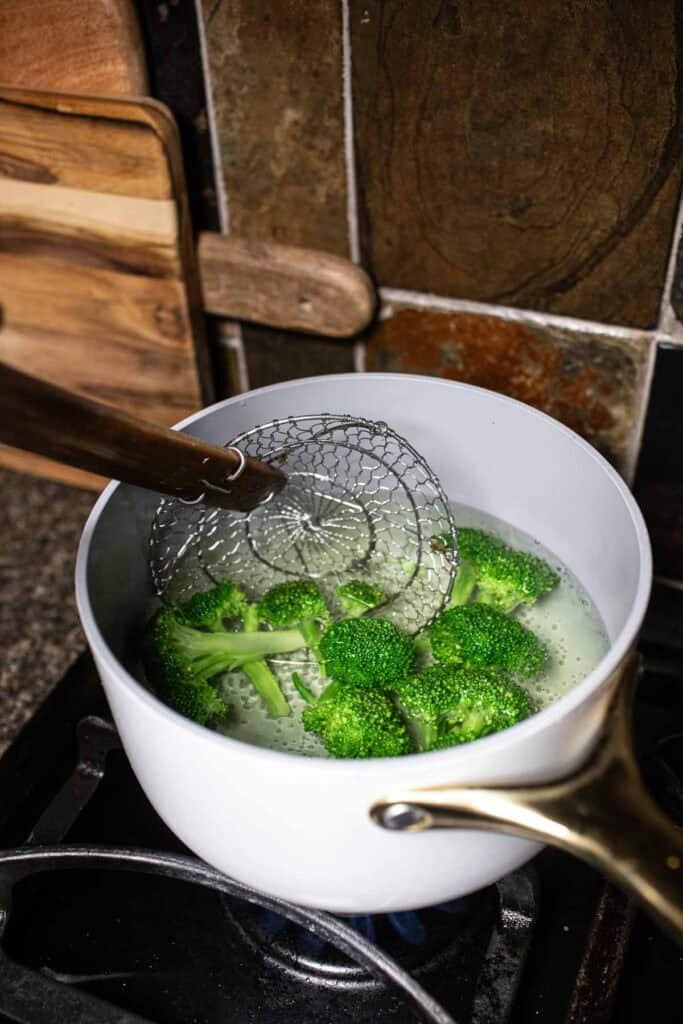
602, 814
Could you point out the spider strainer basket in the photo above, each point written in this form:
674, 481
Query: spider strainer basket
360, 503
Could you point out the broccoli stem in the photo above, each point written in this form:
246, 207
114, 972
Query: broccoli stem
463, 585
430, 731
302, 689
250, 619
468, 720
268, 688
423, 734
422, 645
260, 675
312, 633
240, 645
354, 609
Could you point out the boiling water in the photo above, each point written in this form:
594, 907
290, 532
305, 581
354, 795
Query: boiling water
566, 621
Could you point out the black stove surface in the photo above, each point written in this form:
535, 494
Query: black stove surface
167, 939
104, 933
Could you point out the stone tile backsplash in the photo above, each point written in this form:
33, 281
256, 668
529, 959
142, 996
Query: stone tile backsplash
279, 355
592, 382
276, 73
528, 154
513, 175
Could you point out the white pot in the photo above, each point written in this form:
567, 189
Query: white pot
299, 828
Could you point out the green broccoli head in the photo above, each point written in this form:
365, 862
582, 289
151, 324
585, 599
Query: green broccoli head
475, 635
358, 723
293, 603
447, 705
172, 674
177, 657
505, 578
358, 596
190, 696
366, 652
209, 608
297, 603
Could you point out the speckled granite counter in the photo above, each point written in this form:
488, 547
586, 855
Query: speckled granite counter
40, 523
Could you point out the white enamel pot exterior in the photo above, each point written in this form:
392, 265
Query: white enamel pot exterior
300, 828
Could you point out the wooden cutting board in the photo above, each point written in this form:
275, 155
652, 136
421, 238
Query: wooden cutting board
99, 290
93, 261
84, 46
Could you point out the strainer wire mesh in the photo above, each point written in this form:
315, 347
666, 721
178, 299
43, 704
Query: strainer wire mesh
360, 502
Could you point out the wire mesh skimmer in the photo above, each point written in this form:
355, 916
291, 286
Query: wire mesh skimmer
360, 502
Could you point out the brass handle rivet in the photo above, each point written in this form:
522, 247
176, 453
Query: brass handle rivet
673, 862
399, 817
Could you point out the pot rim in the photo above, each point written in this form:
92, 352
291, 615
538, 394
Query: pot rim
488, 745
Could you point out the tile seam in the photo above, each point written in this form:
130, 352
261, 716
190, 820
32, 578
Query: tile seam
221, 191
667, 320
359, 347
231, 337
442, 303
634, 444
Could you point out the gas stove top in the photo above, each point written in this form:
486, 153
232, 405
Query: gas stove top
106, 918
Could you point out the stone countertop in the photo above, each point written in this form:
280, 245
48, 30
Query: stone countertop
40, 524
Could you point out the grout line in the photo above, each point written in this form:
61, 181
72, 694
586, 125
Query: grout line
424, 300
632, 449
359, 347
221, 193
230, 332
230, 337
233, 339
668, 321
349, 139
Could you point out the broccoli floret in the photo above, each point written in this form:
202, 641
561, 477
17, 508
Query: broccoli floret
366, 652
210, 607
447, 705
357, 597
183, 689
478, 634
505, 578
180, 659
357, 723
226, 601
297, 603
